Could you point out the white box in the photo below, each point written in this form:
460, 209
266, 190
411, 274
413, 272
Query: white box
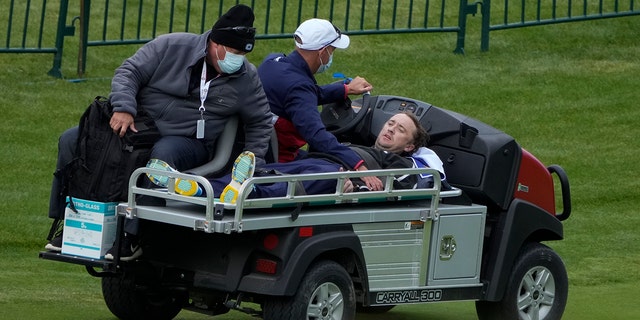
91, 230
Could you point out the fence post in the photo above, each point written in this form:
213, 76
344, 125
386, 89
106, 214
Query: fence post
465, 9
462, 27
60, 34
484, 30
85, 11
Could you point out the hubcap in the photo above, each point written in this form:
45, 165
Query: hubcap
536, 295
326, 303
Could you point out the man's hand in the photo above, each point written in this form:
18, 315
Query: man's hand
359, 85
120, 122
348, 186
372, 182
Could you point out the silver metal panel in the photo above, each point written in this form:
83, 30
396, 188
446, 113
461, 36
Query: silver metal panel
182, 215
393, 253
457, 248
328, 215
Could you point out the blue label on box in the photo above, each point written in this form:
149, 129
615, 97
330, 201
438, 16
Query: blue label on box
96, 249
83, 225
107, 208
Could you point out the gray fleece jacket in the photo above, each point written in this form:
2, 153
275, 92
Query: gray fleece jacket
157, 76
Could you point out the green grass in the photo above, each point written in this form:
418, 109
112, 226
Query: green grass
568, 93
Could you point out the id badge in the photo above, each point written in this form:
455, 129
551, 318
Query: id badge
200, 129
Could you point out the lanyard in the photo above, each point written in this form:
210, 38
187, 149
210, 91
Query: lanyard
204, 86
204, 91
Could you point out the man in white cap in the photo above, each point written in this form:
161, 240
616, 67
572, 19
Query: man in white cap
294, 94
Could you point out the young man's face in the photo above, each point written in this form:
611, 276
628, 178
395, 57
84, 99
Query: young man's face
397, 134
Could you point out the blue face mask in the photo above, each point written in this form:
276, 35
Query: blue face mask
324, 67
232, 62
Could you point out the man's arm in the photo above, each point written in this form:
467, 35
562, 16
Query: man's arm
301, 107
133, 74
340, 91
256, 115
332, 92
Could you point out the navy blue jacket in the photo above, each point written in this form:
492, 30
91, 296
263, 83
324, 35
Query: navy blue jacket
294, 95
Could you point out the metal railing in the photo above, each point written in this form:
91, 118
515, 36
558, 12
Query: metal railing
106, 22
34, 27
117, 22
509, 14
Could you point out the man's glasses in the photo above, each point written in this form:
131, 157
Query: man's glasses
338, 37
241, 30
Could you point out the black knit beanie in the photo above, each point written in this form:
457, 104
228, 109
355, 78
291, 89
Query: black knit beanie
235, 29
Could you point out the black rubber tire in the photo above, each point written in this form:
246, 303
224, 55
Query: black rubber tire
537, 288
325, 290
126, 300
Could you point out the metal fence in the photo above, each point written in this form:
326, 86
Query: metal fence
35, 26
106, 22
506, 14
121, 22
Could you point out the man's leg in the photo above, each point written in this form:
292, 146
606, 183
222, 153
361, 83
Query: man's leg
66, 149
309, 165
226, 187
57, 198
181, 153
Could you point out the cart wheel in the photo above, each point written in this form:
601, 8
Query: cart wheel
326, 292
537, 288
127, 300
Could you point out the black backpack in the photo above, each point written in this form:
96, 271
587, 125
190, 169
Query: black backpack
103, 161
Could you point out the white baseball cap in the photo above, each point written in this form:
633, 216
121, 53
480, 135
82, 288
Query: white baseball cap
316, 34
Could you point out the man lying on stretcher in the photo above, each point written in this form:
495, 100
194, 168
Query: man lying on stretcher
400, 144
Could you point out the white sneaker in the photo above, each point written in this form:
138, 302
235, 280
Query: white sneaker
55, 244
129, 249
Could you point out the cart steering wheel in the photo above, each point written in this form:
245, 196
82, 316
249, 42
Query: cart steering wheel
339, 118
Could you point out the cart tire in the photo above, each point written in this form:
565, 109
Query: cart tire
537, 288
326, 292
126, 300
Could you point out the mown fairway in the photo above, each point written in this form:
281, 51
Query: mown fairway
567, 93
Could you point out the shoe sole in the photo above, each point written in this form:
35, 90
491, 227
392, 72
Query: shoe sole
159, 180
243, 169
183, 187
187, 188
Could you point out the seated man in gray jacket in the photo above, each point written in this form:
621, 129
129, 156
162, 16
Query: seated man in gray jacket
190, 84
